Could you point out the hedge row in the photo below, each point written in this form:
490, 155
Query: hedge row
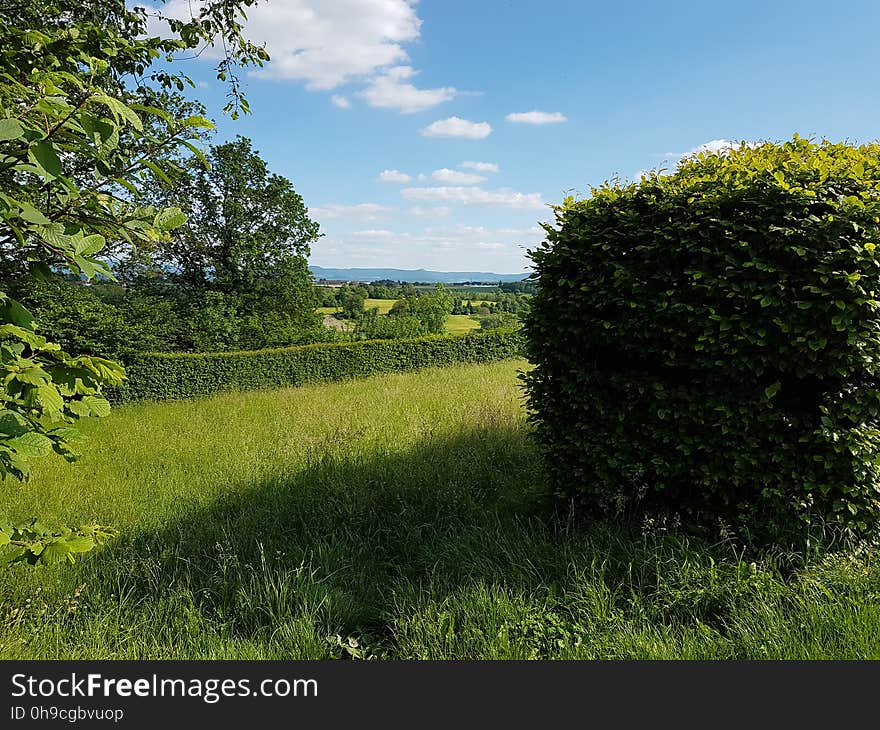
708, 342
161, 376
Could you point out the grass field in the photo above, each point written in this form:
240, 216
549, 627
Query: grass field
456, 324
383, 305
404, 516
459, 324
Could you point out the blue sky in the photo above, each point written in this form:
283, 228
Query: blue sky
361, 87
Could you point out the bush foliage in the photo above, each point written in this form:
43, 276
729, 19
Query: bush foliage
183, 375
708, 342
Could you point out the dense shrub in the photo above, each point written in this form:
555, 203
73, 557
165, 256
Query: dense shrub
708, 341
183, 375
80, 320
374, 326
502, 320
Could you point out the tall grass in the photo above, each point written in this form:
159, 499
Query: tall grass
403, 516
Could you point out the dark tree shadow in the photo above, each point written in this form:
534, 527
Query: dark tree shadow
348, 544
348, 533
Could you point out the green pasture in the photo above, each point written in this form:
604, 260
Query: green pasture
402, 516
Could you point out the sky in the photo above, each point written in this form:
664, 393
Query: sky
437, 134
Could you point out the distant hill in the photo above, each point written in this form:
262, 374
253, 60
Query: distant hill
409, 275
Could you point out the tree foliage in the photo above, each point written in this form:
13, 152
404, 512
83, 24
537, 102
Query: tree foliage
243, 222
75, 143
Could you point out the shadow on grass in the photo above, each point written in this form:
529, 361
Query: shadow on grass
448, 549
343, 540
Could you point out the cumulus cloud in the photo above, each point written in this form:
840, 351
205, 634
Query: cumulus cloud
374, 233
340, 101
713, 145
394, 176
457, 127
430, 211
500, 198
456, 177
360, 211
480, 166
391, 90
323, 43
536, 117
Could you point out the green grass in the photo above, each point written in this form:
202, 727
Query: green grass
406, 512
383, 305
459, 324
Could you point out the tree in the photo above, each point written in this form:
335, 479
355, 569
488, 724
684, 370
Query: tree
243, 222
430, 309
74, 146
351, 299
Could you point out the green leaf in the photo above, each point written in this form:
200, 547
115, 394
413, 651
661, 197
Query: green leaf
90, 244
198, 122
97, 405
158, 171
32, 215
12, 311
50, 398
44, 156
56, 551
10, 129
31, 445
169, 218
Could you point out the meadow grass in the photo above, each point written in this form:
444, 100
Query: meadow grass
383, 305
459, 324
403, 516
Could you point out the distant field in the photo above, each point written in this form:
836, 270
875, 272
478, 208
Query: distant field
402, 517
383, 305
457, 324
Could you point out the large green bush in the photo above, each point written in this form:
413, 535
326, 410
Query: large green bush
183, 375
708, 342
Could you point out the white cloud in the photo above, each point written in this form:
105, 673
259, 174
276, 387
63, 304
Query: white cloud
432, 211
713, 145
340, 101
670, 160
457, 127
456, 177
390, 90
481, 166
536, 117
360, 211
374, 233
324, 43
500, 198
394, 176
446, 248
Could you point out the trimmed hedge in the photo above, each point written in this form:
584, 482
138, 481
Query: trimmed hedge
160, 376
708, 342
